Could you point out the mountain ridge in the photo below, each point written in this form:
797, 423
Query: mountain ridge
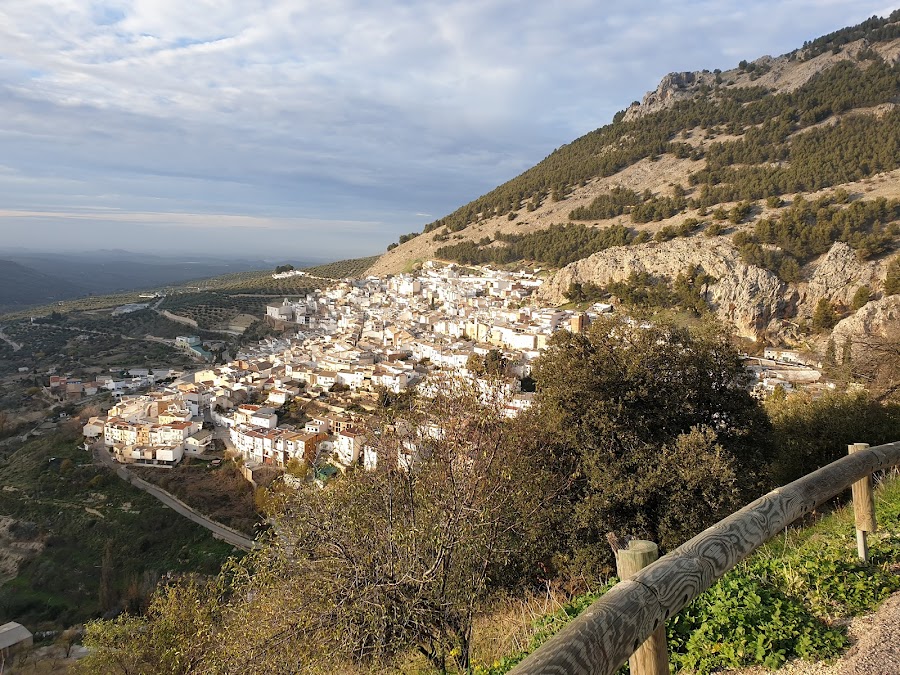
814, 124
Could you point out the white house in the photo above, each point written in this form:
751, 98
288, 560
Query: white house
148, 456
264, 418
94, 427
347, 446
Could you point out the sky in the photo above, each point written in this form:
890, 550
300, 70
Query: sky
295, 129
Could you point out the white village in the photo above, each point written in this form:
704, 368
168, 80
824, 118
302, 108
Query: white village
342, 346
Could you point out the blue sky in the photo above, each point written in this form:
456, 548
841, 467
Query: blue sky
297, 128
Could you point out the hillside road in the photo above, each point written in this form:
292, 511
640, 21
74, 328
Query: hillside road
218, 530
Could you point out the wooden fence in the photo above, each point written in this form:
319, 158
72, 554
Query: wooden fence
602, 638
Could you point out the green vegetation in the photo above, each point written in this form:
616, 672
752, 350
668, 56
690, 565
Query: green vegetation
222, 494
810, 433
353, 268
861, 297
824, 317
892, 278
809, 228
643, 291
211, 309
257, 283
779, 604
873, 30
639, 414
617, 201
104, 542
557, 245
657, 208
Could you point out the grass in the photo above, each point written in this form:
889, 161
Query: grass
790, 599
411, 266
91, 525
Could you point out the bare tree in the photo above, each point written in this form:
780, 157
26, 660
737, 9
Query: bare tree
373, 565
876, 360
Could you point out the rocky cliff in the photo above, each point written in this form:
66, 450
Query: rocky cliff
746, 296
836, 277
781, 73
878, 318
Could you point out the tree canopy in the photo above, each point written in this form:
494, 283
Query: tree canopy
657, 424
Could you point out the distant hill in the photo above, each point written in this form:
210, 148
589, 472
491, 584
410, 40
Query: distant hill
112, 271
22, 286
30, 278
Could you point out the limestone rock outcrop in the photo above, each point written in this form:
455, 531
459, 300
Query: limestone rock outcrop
837, 276
877, 318
746, 296
672, 88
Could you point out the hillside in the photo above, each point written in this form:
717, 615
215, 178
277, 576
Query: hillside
759, 150
21, 286
30, 278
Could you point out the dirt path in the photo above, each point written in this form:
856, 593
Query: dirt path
878, 650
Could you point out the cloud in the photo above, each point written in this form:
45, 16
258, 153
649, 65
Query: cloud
191, 220
337, 111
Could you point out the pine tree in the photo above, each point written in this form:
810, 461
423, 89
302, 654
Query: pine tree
830, 360
861, 297
892, 280
824, 317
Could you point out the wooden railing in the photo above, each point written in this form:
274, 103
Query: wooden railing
602, 638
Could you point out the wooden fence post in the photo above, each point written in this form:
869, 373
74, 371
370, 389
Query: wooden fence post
863, 507
652, 657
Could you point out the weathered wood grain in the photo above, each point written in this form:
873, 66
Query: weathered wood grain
651, 657
608, 632
863, 498
863, 508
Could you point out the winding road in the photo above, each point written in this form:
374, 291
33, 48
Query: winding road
8, 340
218, 530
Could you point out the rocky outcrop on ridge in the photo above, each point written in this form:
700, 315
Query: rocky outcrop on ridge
837, 276
672, 88
746, 296
780, 73
877, 318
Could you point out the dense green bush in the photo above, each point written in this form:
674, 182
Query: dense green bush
810, 433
